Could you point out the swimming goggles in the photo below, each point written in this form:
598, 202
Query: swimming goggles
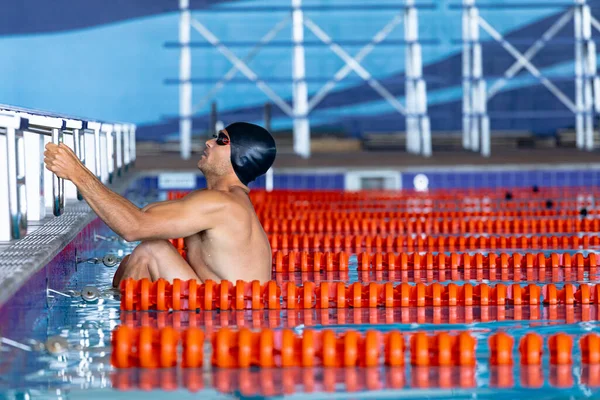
222, 139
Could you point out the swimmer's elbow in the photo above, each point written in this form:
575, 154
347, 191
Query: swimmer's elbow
135, 231
130, 237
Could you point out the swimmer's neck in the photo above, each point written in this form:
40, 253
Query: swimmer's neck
225, 183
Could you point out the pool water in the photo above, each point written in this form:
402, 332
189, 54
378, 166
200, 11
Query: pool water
84, 368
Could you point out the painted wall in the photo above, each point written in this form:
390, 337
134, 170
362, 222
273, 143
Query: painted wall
110, 60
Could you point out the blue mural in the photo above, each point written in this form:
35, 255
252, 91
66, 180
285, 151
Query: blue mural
118, 60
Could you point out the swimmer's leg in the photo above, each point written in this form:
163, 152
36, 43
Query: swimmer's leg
154, 259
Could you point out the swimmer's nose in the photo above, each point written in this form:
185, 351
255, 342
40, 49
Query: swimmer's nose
208, 143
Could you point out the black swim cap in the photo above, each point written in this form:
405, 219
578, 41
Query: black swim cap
252, 150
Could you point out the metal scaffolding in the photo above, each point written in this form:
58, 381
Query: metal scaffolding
418, 139
476, 122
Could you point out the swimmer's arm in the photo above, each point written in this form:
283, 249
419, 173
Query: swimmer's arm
116, 211
152, 205
194, 213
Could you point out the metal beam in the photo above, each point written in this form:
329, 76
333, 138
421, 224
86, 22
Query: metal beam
185, 88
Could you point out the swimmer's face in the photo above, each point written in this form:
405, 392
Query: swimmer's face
216, 158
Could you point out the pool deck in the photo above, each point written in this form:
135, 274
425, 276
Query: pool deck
151, 158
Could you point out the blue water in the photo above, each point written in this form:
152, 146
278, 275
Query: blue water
84, 370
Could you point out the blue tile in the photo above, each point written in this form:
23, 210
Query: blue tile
547, 179
538, 178
493, 179
407, 181
573, 178
443, 180
335, 182
297, 182
587, 178
451, 180
560, 179
435, 181
285, 181
319, 180
311, 182
259, 183
579, 179
332, 182
520, 179
596, 180
478, 180
506, 179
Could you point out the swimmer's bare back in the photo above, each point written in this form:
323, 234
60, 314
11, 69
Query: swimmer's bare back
223, 237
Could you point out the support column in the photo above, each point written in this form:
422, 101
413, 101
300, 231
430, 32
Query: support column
413, 137
126, 144
34, 175
185, 85
17, 190
300, 90
419, 87
477, 84
579, 88
467, 72
132, 147
589, 68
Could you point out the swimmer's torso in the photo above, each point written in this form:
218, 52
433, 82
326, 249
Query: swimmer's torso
237, 248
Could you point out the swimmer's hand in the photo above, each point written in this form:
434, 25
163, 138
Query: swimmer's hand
61, 160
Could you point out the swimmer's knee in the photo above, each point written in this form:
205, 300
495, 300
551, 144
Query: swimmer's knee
154, 246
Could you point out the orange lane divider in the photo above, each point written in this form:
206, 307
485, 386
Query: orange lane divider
269, 382
147, 347
191, 295
176, 195
159, 348
430, 227
574, 207
359, 243
209, 321
440, 261
531, 349
305, 261
156, 348
267, 214
532, 275
279, 196
179, 244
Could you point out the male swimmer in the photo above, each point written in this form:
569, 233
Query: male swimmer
223, 236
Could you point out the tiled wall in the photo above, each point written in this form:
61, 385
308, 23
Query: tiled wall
437, 180
542, 178
304, 181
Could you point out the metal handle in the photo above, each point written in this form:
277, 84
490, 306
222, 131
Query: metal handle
58, 184
110, 154
80, 154
16, 183
119, 148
